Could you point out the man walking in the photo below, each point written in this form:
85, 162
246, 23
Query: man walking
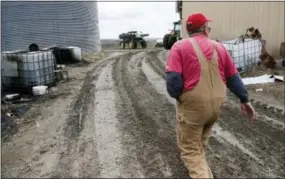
197, 73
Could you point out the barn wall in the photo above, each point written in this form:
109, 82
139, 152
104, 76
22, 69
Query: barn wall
231, 19
50, 23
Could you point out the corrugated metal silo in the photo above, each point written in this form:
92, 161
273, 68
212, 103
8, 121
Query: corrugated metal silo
63, 23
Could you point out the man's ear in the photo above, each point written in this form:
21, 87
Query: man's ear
205, 29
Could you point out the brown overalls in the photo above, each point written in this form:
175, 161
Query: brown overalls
198, 110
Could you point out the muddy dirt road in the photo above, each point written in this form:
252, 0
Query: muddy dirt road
119, 122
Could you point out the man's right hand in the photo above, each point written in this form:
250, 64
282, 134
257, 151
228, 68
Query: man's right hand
248, 109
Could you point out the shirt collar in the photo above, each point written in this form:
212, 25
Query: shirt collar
200, 35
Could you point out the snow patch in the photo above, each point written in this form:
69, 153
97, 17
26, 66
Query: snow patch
262, 79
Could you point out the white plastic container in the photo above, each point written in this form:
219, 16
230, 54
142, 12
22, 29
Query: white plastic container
244, 54
9, 69
36, 68
12, 96
39, 90
9, 64
76, 52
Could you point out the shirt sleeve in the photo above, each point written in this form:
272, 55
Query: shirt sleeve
230, 68
174, 60
233, 79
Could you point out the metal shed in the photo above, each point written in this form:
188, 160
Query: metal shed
46, 23
231, 19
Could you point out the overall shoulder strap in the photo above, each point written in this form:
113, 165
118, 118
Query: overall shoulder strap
201, 57
215, 55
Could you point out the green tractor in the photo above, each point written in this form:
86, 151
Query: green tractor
172, 37
132, 39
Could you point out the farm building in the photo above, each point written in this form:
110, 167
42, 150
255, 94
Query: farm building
47, 23
231, 19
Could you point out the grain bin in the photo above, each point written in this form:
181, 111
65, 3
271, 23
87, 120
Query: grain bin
46, 23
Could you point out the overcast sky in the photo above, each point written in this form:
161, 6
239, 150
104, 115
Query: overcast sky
155, 18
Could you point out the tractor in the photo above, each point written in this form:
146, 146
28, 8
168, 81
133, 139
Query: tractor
131, 39
173, 36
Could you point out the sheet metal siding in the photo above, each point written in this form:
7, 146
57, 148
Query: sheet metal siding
231, 19
50, 23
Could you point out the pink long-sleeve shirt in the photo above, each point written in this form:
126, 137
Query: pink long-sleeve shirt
182, 59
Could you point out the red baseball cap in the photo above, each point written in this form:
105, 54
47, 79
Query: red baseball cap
197, 20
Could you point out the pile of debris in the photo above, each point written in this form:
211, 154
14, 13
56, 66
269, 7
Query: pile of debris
24, 70
11, 118
265, 58
26, 76
252, 33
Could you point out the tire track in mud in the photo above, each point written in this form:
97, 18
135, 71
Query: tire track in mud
270, 110
276, 106
68, 165
162, 56
253, 151
156, 64
264, 138
109, 146
145, 120
78, 148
